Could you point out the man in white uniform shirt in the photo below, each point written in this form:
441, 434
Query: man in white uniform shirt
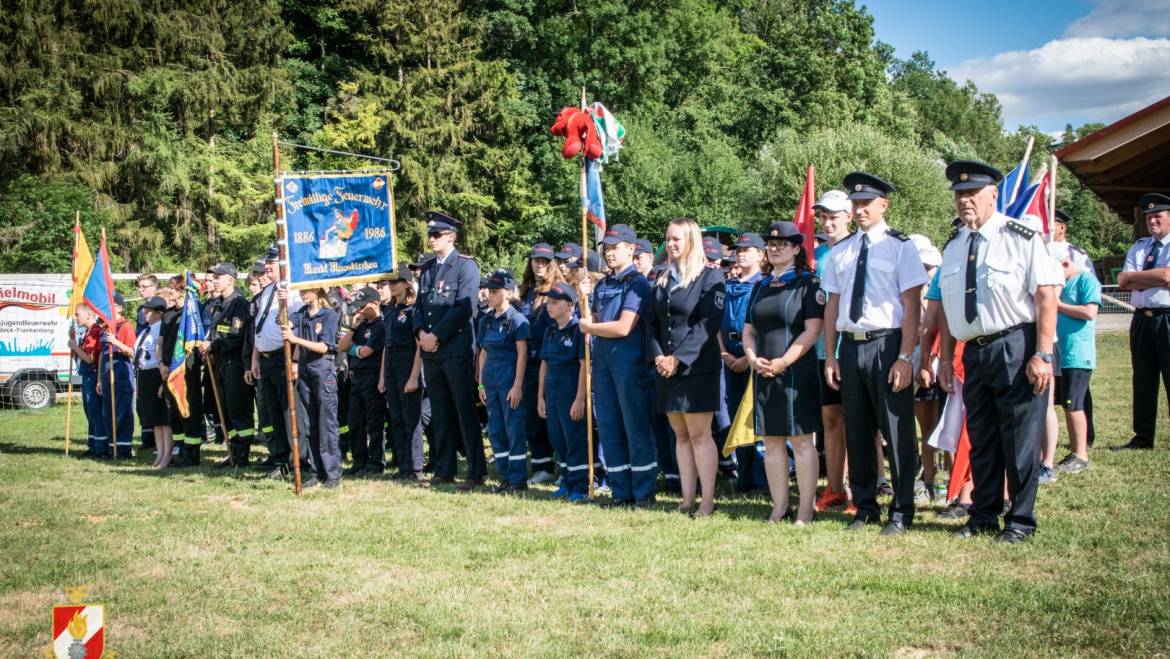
999, 290
268, 366
874, 279
1147, 275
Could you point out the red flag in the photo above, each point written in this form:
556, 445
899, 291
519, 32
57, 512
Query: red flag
1034, 204
805, 218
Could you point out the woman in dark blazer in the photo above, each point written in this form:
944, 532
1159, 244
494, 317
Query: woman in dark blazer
683, 341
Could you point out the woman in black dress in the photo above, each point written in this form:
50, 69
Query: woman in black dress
783, 323
683, 329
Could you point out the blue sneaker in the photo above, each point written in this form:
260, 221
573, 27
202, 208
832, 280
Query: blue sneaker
560, 493
578, 497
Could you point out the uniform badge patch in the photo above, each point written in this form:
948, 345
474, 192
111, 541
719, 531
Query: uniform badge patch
237, 323
317, 328
821, 297
718, 300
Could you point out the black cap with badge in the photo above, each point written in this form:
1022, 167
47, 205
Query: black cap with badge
972, 175
620, 233
541, 251
1063, 217
501, 279
863, 186
562, 291
438, 221
784, 230
273, 253
1153, 202
365, 295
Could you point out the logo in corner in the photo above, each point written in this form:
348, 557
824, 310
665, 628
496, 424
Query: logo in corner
79, 628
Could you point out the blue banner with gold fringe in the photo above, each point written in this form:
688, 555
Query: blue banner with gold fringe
340, 227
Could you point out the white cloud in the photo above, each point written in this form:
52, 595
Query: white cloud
1089, 78
1124, 18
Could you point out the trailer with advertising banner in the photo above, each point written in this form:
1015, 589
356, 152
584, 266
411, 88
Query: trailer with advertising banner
35, 363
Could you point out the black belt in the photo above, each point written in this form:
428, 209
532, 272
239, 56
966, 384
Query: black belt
272, 353
1152, 312
988, 338
735, 336
862, 337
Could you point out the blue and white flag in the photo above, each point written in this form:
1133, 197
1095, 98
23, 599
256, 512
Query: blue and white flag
340, 227
1013, 183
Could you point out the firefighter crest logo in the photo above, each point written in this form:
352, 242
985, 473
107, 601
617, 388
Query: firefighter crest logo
79, 629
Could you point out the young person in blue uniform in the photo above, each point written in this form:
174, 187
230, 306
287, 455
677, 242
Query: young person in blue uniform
683, 326
621, 374
503, 358
561, 396
540, 274
86, 351
448, 287
749, 257
784, 318
364, 343
401, 377
312, 332
117, 351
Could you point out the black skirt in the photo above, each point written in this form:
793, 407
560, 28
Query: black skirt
152, 408
790, 403
697, 392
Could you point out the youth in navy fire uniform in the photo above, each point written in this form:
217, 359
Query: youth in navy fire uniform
313, 334
364, 344
503, 356
562, 392
401, 375
541, 273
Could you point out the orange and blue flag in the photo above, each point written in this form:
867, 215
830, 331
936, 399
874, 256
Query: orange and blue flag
190, 333
99, 290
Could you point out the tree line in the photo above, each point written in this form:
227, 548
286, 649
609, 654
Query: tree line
155, 119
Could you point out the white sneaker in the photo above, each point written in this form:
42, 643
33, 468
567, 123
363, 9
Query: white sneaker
540, 477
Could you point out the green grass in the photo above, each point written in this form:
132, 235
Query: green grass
193, 564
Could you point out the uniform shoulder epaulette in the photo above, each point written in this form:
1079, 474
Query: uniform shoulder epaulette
1020, 230
897, 234
954, 234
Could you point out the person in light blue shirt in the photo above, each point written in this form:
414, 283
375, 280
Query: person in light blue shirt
1080, 299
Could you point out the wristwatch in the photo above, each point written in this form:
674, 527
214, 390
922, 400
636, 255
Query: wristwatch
906, 357
1045, 357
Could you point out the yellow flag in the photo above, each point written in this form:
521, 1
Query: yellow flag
743, 428
82, 267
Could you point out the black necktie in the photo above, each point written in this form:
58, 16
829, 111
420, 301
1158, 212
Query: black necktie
858, 300
972, 249
1152, 257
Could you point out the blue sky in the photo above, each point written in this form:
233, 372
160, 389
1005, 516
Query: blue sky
1050, 62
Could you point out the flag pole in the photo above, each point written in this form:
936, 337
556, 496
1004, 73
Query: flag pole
73, 326
584, 309
218, 403
282, 318
114, 329
1052, 188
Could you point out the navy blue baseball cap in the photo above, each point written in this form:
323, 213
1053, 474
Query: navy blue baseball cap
1062, 217
619, 233
542, 251
1152, 202
403, 272
438, 221
643, 246
712, 249
784, 230
972, 175
155, 303
259, 267
500, 279
821, 237
118, 299
569, 251
749, 239
594, 262
364, 296
562, 291
863, 186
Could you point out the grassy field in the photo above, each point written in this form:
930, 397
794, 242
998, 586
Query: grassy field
196, 564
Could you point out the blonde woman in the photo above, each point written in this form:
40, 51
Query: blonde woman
684, 320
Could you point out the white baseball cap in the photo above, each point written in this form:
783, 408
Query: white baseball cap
927, 252
1059, 251
834, 201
